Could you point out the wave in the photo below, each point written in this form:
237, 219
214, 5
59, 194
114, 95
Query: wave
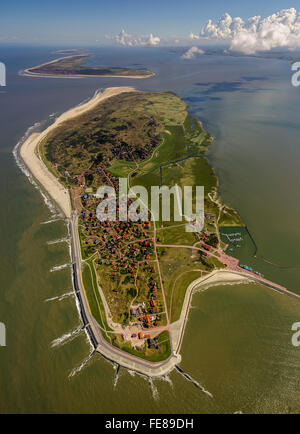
48, 202
33, 128
61, 297
116, 377
52, 221
55, 212
167, 379
56, 215
82, 365
154, 390
60, 240
65, 338
59, 267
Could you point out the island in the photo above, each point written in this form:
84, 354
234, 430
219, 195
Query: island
134, 279
75, 66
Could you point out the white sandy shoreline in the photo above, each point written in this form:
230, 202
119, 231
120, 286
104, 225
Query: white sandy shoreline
28, 72
37, 167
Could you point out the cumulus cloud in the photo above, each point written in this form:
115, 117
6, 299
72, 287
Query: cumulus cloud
149, 40
129, 40
190, 54
124, 38
194, 36
280, 30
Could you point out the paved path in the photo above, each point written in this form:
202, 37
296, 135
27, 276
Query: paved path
125, 359
112, 353
233, 265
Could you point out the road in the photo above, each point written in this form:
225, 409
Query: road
113, 353
110, 352
233, 265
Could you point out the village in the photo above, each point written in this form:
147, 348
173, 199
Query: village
124, 250
128, 266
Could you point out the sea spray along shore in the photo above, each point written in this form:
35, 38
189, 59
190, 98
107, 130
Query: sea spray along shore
177, 302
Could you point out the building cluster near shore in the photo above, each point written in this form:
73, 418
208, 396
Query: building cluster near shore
124, 251
126, 261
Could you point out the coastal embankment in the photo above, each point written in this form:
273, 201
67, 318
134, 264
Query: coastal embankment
30, 155
61, 197
108, 351
217, 277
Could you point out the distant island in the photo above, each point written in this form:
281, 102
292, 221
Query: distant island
75, 66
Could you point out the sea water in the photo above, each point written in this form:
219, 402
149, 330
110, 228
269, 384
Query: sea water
237, 345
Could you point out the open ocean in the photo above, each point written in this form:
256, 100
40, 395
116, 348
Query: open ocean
238, 339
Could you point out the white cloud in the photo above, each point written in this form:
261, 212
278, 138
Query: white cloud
280, 30
220, 30
150, 40
190, 54
126, 39
194, 36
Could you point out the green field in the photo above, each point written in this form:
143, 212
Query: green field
150, 354
94, 298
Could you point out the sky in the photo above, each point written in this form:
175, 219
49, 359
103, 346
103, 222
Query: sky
144, 22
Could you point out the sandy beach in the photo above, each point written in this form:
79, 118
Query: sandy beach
37, 167
28, 73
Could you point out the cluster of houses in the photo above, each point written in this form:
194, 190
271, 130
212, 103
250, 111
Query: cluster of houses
150, 317
152, 343
142, 147
104, 176
115, 240
208, 240
121, 151
146, 337
123, 247
145, 315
